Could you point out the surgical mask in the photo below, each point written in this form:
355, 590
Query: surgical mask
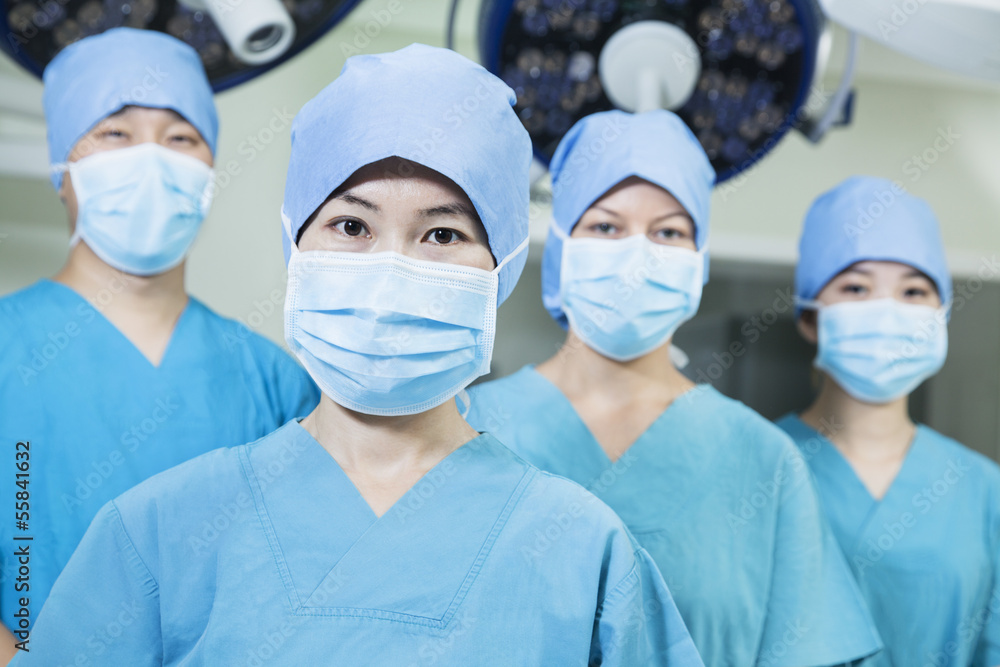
881, 349
385, 334
625, 298
139, 208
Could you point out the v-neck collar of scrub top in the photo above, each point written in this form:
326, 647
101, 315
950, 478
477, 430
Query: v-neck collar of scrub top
595, 450
571, 450
827, 463
472, 491
75, 298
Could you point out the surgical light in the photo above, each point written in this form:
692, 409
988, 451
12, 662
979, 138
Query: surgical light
237, 39
738, 72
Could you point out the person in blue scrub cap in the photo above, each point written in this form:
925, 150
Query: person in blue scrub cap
381, 529
718, 496
916, 513
110, 372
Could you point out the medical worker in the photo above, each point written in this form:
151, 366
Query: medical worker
716, 494
916, 513
110, 372
381, 529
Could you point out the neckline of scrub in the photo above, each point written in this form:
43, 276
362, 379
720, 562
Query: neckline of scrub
687, 395
837, 456
470, 499
174, 334
479, 442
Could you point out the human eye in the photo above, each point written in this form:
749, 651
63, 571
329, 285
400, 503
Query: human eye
853, 289
444, 236
183, 139
669, 234
112, 133
350, 227
606, 228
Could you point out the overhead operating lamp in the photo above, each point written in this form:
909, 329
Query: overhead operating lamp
236, 39
736, 71
961, 35
739, 72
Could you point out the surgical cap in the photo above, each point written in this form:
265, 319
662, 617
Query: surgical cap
866, 218
427, 105
602, 150
98, 76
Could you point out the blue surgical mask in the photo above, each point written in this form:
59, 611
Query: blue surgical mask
385, 334
625, 298
881, 349
140, 208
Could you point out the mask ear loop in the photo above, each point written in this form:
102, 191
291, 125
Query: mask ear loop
521, 247
286, 228
558, 231
464, 403
808, 304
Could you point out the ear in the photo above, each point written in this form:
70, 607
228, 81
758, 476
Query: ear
806, 325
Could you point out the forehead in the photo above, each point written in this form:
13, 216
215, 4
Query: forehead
637, 191
883, 269
402, 177
133, 113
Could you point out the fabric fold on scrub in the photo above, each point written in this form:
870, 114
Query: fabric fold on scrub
723, 502
910, 578
427, 582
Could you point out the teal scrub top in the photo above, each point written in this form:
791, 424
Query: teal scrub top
722, 501
267, 554
927, 555
98, 418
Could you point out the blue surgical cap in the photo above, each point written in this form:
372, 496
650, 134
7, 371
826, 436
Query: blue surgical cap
98, 76
428, 105
601, 151
866, 218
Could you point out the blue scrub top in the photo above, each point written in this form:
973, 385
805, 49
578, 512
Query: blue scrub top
722, 501
267, 554
927, 555
99, 418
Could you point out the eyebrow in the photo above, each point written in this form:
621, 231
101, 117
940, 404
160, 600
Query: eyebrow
453, 209
129, 109
356, 200
675, 214
666, 216
913, 273
607, 210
